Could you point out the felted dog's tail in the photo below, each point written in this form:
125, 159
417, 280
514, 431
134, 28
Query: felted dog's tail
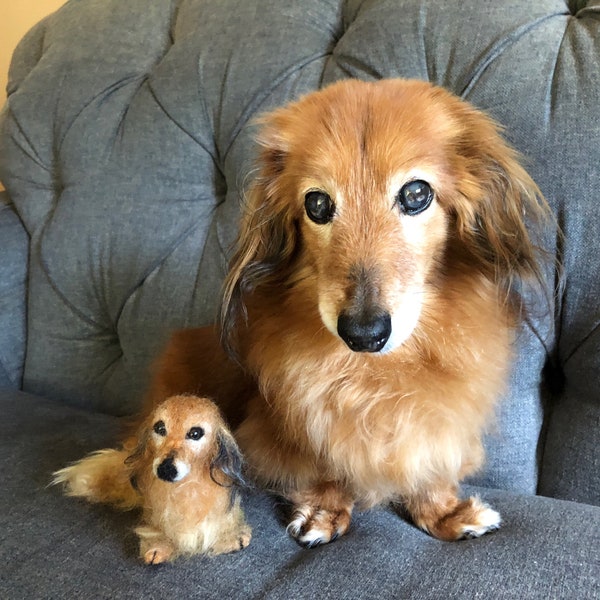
101, 477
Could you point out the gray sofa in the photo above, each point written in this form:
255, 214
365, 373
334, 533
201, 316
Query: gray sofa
125, 147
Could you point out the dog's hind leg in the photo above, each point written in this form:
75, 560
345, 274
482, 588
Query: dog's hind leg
320, 514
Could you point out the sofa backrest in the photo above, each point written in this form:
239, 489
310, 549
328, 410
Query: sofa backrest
127, 143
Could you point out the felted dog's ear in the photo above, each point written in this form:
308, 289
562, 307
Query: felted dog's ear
226, 465
268, 230
135, 459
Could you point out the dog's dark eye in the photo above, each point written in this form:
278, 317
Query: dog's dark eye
319, 207
195, 433
415, 196
159, 428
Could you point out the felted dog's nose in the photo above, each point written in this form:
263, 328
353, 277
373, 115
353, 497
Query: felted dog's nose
365, 332
167, 470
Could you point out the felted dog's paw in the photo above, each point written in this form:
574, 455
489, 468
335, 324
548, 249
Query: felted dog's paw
155, 548
232, 539
312, 527
157, 555
233, 544
244, 539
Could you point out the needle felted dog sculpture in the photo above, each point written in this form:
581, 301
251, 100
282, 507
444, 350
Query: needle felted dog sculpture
182, 472
370, 305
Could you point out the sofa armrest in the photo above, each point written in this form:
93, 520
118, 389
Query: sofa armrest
13, 273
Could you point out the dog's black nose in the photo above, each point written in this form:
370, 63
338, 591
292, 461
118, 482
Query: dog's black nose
167, 471
365, 332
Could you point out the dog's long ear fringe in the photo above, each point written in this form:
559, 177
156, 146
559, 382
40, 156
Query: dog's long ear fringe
502, 218
226, 468
133, 460
267, 238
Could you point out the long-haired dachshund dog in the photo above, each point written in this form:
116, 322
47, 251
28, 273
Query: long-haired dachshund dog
370, 306
182, 471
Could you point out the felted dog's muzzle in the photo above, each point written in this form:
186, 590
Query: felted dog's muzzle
167, 470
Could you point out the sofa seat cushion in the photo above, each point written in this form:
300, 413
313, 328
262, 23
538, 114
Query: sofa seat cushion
54, 546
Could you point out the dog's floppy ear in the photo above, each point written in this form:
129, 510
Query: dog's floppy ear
226, 465
499, 210
268, 231
135, 461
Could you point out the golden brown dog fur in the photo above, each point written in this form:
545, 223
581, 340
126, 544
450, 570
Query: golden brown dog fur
189, 509
328, 427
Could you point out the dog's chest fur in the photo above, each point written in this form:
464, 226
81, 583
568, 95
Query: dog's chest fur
378, 422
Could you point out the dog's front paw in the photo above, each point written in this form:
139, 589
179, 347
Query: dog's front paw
245, 537
157, 551
478, 519
157, 555
457, 520
155, 548
233, 543
312, 527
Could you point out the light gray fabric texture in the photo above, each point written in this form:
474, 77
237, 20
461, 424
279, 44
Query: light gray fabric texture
13, 272
126, 145
59, 548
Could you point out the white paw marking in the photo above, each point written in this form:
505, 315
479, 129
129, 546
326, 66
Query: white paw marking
295, 526
487, 520
314, 535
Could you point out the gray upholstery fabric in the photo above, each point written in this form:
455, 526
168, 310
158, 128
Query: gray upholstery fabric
13, 273
62, 548
571, 468
126, 145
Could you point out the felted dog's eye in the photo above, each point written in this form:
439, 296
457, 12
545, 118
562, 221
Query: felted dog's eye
159, 428
319, 207
195, 433
415, 196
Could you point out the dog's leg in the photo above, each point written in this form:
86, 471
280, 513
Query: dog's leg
320, 515
321, 511
237, 540
442, 514
227, 533
155, 547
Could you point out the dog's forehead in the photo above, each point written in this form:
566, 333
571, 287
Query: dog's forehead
186, 412
383, 128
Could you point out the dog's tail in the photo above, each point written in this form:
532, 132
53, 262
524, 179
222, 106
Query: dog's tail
102, 477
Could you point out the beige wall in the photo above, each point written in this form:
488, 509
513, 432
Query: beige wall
16, 18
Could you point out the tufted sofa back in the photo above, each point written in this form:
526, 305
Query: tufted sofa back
127, 143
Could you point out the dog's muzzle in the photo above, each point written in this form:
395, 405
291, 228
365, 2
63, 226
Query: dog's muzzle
365, 332
167, 470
